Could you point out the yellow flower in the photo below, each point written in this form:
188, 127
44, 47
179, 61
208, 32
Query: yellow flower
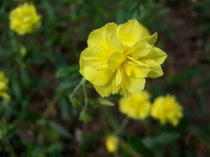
119, 58
166, 109
24, 19
111, 143
4, 86
137, 106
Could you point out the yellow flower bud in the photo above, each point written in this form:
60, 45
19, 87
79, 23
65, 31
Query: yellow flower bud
4, 86
111, 143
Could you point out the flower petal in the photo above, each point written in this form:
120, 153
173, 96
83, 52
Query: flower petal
156, 54
152, 38
94, 57
132, 31
136, 69
104, 91
156, 70
98, 78
115, 60
118, 77
105, 38
140, 49
133, 85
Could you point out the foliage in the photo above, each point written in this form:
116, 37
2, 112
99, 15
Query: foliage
42, 118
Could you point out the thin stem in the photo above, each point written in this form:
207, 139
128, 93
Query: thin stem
78, 86
124, 122
10, 148
51, 106
123, 125
85, 93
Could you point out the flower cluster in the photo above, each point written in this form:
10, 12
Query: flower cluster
119, 58
4, 86
111, 143
137, 106
167, 109
24, 19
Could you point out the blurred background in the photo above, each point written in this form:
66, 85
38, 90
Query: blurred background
40, 121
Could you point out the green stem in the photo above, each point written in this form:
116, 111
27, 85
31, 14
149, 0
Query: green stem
85, 93
130, 149
11, 150
77, 87
51, 106
123, 125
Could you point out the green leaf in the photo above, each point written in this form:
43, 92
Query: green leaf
56, 147
60, 130
161, 139
137, 144
67, 84
85, 116
64, 109
105, 102
88, 141
66, 71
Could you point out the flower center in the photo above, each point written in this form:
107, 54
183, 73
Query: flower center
119, 58
115, 60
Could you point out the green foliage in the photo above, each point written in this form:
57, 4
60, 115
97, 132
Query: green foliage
162, 139
49, 96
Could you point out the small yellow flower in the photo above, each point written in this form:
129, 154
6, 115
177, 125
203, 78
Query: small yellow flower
4, 86
24, 19
119, 58
167, 109
111, 143
137, 106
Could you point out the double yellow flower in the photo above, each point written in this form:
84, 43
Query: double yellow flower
165, 108
119, 58
137, 106
24, 19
